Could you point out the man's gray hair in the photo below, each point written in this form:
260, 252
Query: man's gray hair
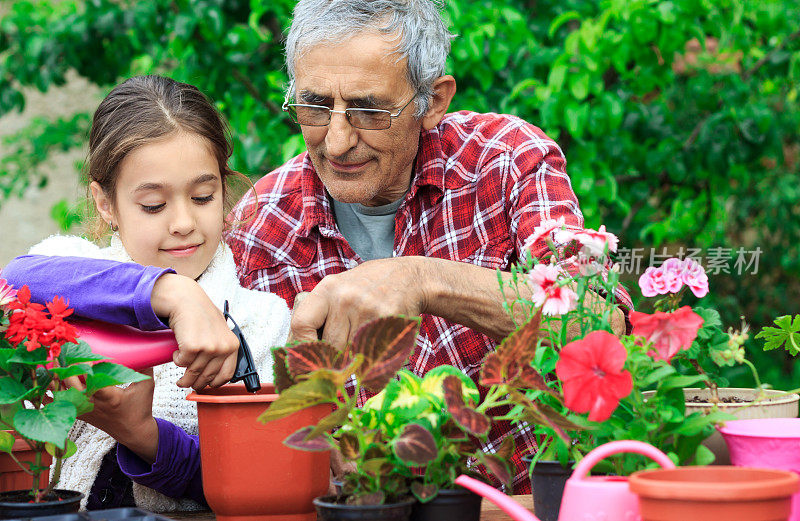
424, 40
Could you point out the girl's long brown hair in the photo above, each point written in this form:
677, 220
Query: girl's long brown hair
139, 111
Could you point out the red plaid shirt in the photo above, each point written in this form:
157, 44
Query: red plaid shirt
482, 183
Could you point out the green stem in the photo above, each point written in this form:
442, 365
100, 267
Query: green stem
754, 371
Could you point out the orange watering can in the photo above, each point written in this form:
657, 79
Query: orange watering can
585, 497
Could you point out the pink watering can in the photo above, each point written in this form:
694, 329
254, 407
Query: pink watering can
586, 498
139, 350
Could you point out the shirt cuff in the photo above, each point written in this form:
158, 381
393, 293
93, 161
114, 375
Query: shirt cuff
142, 307
176, 470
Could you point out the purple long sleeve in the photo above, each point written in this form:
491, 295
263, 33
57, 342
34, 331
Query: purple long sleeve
117, 292
176, 471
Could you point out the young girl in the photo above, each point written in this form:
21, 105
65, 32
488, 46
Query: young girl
157, 174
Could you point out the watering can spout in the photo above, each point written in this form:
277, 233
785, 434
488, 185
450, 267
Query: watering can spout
508, 505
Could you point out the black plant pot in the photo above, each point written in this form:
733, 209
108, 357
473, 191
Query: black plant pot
547, 483
16, 504
329, 510
449, 505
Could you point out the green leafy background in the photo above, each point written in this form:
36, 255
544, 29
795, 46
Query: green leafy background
679, 118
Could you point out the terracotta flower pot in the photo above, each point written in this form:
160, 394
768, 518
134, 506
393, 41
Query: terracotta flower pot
716, 493
12, 477
248, 473
777, 405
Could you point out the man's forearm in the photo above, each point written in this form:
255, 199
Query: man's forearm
470, 295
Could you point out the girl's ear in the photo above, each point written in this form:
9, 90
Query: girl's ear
444, 88
102, 203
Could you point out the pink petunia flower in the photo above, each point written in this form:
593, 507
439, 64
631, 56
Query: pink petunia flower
695, 277
552, 298
597, 243
593, 376
668, 332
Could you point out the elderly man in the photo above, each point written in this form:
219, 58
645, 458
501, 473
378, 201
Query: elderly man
397, 207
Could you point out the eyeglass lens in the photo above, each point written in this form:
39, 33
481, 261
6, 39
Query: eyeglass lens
369, 119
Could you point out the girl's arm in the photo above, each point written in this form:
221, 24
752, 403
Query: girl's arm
117, 292
175, 472
136, 295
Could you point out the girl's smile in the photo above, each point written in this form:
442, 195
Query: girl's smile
168, 204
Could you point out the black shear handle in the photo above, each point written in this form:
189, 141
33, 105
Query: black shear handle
245, 367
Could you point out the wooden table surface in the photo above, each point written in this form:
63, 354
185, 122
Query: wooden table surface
489, 511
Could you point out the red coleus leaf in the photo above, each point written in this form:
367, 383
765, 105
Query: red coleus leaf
415, 445
423, 492
506, 448
310, 356
386, 344
469, 419
520, 346
668, 332
592, 374
496, 466
492, 370
297, 440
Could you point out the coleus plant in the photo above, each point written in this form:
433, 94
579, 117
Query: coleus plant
416, 435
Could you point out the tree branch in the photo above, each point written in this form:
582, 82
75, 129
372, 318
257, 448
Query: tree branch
752, 70
270, 105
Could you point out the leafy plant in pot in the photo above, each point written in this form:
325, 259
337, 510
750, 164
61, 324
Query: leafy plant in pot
38, 350
416, 435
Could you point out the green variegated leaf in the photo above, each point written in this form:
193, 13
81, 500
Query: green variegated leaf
434, 380
329, 422
298, 397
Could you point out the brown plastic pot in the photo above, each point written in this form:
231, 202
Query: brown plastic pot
12, 477
248, 473
715, 493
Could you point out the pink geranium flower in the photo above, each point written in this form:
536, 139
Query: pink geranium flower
654, 282
553, 229
547, 293
695, 277
672, 272
668, 332
597, 243
7, 292
593, 376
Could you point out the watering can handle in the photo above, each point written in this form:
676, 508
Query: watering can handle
617, 447
506, 504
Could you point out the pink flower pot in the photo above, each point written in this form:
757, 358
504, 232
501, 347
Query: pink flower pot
768, 443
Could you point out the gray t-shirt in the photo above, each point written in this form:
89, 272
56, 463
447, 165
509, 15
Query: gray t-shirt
368, 229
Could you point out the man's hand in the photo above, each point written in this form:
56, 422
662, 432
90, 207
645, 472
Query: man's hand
206, 345
341, 303
125, 414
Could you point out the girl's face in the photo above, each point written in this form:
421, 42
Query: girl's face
168, 204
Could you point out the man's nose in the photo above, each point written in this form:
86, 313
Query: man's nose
341, 135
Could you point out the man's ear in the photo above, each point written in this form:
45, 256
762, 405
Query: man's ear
102, 202
444, 88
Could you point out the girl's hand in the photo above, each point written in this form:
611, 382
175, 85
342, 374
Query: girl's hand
206, 345
125, 414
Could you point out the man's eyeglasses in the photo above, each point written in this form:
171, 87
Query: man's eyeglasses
320, 115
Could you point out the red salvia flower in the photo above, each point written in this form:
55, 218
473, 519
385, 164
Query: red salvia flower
30, 325
668, 332
592, 374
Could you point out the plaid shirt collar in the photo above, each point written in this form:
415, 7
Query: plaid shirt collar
428, 171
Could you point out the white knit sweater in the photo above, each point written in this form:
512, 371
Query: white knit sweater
262, 317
